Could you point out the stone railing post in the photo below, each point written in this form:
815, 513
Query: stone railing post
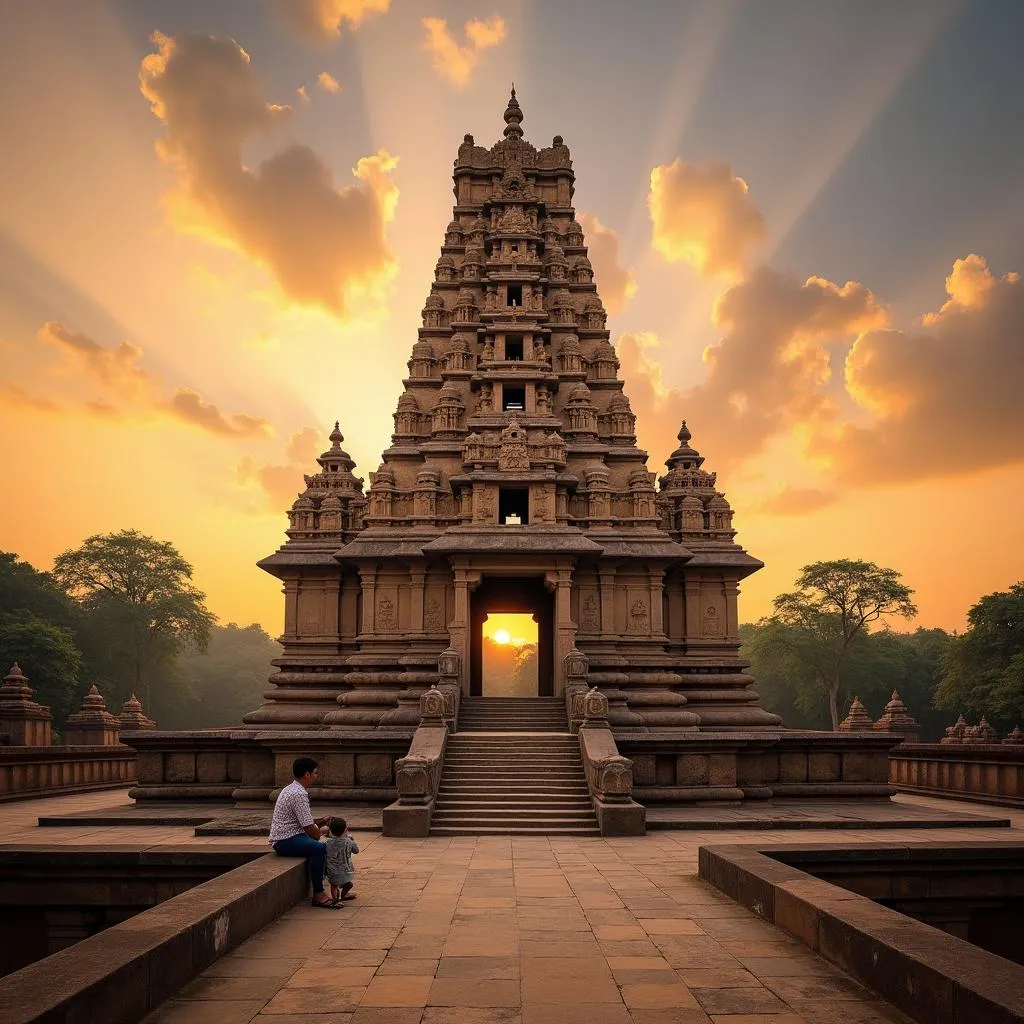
133, 718
418, 774
577, 667
609, 775
25, 723
896, 721
449, 670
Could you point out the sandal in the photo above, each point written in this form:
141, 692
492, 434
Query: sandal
329, 905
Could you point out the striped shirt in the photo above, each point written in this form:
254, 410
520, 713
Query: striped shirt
292, 813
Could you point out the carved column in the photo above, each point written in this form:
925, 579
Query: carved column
417, 577
291, 607
368, 581
559, 582
732, 625
657, 609
466, 581
607, 574
332, 606
691, 588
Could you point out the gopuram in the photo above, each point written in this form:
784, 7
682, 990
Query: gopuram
513, 483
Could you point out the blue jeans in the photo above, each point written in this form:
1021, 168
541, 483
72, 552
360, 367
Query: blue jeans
312, 849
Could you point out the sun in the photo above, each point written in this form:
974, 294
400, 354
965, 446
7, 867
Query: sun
502, 636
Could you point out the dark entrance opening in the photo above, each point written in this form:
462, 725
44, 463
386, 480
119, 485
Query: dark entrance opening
513, 506
509, 594
515, 294
514, 348
513, 397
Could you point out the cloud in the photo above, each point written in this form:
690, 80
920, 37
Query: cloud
188, 406
946, 398
303, 95
795, 501
768, 374
281, 483
454, 61
328, 82
616, 283
322, 245
116, 368
14, 397
701, 214
321, 20
116, 371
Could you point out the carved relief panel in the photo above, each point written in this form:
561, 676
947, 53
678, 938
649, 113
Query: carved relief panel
543, 498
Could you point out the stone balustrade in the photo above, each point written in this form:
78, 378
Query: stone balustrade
418, 774
609, 775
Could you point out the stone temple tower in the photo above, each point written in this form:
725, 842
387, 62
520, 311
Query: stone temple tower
513, 483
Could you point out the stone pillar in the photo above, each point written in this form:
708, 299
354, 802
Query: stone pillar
657, 584
607, 574
691, 590
417, 578
291, 608
25, 723
93, 724
368, 588
133, 718
560, 583
466, 581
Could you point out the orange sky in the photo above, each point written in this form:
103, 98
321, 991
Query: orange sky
213, 246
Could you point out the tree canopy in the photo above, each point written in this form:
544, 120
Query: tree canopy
831, 609
984, 667
142, 607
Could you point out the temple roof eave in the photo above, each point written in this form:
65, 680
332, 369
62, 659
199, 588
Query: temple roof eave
506, 540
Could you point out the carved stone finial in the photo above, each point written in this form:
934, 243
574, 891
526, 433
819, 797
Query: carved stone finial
1016, 737
133, 717
955, 733
92, 724
897, 721
857, 720
513, 117
26, 723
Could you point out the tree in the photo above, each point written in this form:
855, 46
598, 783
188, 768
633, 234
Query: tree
833, 606
47, 654
23, 589
142, 609
226, 680
983, 671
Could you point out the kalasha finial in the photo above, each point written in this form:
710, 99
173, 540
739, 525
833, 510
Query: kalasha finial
336, 436
684, 434
513, 117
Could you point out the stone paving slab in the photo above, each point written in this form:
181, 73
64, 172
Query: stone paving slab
818, 814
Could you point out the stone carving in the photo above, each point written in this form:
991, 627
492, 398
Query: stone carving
542, 505
133, 717
613, 777
955, 732
980, 733
897, 721
1016, 737
513, 454
595, 707
413, 779
485, 403
433, 620
713, 627
638, 616
589, 618
432, 709
386, 621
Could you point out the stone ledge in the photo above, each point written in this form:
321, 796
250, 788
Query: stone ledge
934, 977
121, 974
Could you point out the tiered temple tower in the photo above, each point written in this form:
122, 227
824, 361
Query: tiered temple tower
513, 483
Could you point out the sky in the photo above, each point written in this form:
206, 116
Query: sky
219, 222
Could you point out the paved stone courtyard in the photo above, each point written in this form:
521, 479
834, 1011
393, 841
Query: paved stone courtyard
506, 930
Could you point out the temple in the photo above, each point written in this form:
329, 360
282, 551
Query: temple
514, 483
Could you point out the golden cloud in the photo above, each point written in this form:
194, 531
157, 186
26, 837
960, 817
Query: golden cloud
321, 20
795, 501
328, 82
281, 484
456, 61
701, 214
188, 405
617, 283
947, 397
14, 397
321, 244
117, 368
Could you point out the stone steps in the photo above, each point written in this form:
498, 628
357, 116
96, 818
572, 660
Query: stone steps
505, 775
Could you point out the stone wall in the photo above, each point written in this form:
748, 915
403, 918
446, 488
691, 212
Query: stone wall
987, 773
46, 771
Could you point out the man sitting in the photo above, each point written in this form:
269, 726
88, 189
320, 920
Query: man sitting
294, 832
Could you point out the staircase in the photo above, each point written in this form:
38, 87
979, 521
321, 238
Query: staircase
513, 768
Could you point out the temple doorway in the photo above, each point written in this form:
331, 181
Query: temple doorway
512, 639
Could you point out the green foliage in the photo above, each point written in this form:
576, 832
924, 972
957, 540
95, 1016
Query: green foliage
830, 611
225, 681
876, 664
23, 589
140, 608
984, 668
47, 654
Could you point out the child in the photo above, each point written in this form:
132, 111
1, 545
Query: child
340, 870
